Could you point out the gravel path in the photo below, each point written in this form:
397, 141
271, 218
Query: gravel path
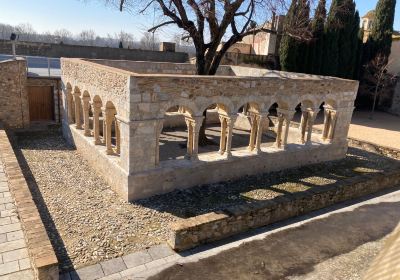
88, 223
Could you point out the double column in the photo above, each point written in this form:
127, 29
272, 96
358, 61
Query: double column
193, 126
306, 125
257, 124
86, 125
282, 133
108, 119
225, 146
330, 118
77, 102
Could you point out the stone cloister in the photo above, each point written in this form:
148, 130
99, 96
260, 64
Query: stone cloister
115, 113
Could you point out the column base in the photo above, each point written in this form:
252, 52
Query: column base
87, 133
109, 152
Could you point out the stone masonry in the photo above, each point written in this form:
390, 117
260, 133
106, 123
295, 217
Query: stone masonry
14, 107
114, 112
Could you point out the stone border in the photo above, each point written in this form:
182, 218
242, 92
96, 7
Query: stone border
375, 148
41, 252
215, 226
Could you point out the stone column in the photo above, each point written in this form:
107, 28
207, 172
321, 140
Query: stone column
288, 116
77, 102
117, 136
96, 123
109, 118
70, 105
229, 123
222, 141
278, 142
332, 125
303, 125
86, 115
260, 124
327, 120
312, 114
196, 125
253, 131
189, 145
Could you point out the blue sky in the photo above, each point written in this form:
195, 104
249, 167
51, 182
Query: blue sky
76, 15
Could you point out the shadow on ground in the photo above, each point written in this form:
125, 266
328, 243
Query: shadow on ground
294, 251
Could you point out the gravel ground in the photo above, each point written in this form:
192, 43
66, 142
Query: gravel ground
88, 223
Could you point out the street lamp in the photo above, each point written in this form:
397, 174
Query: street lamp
13, 39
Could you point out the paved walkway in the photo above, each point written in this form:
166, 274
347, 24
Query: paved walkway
14, 261
153, 261
383, 129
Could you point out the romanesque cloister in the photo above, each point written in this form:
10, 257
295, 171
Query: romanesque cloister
121, 115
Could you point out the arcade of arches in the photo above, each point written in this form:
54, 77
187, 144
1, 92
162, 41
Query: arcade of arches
140, 131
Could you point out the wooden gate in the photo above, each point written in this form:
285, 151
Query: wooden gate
41, 103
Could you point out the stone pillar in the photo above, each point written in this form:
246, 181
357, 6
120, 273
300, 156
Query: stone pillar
70, 103
196, 125
260, 124
303, 125
278, 142
312, 114
96, 122
229, 124
288, 116
109, 118
333, 118
117, 136
77, 102
222, 141
253, 131
327, 120
189, 145
86, 115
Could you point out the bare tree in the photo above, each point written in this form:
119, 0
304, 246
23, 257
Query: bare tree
378, 79
149, 41
126, 38
87, 37
209, 22
63, 35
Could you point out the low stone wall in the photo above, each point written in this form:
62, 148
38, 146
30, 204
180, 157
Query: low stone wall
41, 252
371, 147
14, 107
210, 227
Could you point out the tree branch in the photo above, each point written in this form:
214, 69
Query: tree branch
154, 28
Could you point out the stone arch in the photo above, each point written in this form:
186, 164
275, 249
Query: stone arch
225, 105
189, 106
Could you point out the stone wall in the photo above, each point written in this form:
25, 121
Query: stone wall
63, 50
14, 107
210, 227
40, 249
395, 107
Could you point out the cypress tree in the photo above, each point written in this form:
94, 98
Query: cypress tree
360, 53
303, 48
331, 50
288, 47
382, 28
347, 39
317, 46
355, 46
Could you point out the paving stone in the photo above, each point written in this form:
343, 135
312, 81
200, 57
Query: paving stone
155, 264
173, 258
6, 200
112, 266
24, 263
15, 235
7, 213
114, 276
2, 207
14, 219
12, 245
10, 206
20, 275
136, 259
160, 251
15, 255
133, 270
10, 267
88, 273
10, 228
6, 194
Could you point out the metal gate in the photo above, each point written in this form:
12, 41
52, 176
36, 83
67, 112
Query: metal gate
41, 103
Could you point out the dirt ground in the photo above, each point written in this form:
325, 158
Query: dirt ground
339, 246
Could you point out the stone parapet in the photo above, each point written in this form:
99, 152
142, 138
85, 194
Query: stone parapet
41, 252
210, 227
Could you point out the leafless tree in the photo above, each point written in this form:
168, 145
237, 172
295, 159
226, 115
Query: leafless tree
378, 79
149, 41
63, 35
210, 23
87, 37
126, 38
